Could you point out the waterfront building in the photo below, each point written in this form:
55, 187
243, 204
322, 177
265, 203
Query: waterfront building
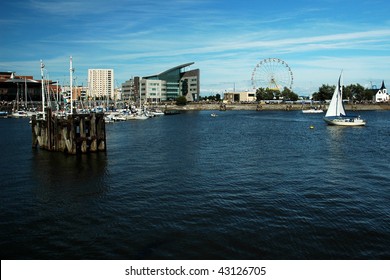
128, 90
382, 95
26, 87
166, 86
154, 91
78, 93
117, 94
101, 83
243, 96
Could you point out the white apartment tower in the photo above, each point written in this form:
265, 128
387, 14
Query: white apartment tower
101, 83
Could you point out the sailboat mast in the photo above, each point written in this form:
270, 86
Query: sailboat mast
43, 89
17, 96
140, 86
48, 92
58, 98
25, 92
71, 84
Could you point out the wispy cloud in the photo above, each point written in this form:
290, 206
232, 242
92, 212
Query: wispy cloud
68, 8
225, 40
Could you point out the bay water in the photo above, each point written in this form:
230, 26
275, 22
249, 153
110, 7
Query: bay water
242, 185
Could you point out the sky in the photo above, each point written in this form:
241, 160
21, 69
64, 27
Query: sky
225, 39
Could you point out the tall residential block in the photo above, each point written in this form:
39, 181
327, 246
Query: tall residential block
101, 83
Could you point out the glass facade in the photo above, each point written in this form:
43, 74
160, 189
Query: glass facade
168, 85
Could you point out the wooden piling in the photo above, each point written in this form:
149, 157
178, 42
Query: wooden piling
77, 133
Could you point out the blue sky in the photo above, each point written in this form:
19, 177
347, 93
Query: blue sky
226, 39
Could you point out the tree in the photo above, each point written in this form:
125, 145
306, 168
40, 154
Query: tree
181, 101
260, 93
359, 93
288, 94
324, 92
367, 95
352, 92
271, 94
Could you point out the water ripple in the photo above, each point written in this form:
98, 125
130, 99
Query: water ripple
245, 185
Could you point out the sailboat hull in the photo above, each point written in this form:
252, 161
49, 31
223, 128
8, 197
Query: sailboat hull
345, 121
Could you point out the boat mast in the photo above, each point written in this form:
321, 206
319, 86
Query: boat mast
17, 96
43, 89
48, 91
71, 84
58, 98
25, 91
140, 86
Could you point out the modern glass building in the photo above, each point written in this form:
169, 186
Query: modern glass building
166, 86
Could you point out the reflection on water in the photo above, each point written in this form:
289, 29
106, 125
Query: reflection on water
58, 174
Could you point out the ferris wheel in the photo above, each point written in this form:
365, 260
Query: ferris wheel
272, 73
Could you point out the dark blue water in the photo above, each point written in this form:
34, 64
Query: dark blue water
243, 185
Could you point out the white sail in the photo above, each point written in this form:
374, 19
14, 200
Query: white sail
336, 106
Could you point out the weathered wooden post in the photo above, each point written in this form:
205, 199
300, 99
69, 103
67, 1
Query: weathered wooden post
78, 133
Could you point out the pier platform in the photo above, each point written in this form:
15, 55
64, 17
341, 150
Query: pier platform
73, 134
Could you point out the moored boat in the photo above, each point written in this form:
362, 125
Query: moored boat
336, 115
20, 114
171, 112
313, 111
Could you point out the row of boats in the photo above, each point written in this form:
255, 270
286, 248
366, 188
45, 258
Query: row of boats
131, 114
17, 114
109, 115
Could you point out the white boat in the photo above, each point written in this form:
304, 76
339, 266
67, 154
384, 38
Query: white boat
118, 118
3, 114
313, 111
20, 114
336, 115
156, 112
213, 115
137, 117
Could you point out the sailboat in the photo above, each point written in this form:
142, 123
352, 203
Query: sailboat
335, 115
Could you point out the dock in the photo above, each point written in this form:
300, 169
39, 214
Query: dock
73, 134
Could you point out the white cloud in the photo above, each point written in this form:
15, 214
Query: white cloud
147, 37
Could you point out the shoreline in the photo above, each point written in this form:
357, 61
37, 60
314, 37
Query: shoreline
268, 107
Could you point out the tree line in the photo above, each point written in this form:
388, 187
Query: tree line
353, 92
270, 94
